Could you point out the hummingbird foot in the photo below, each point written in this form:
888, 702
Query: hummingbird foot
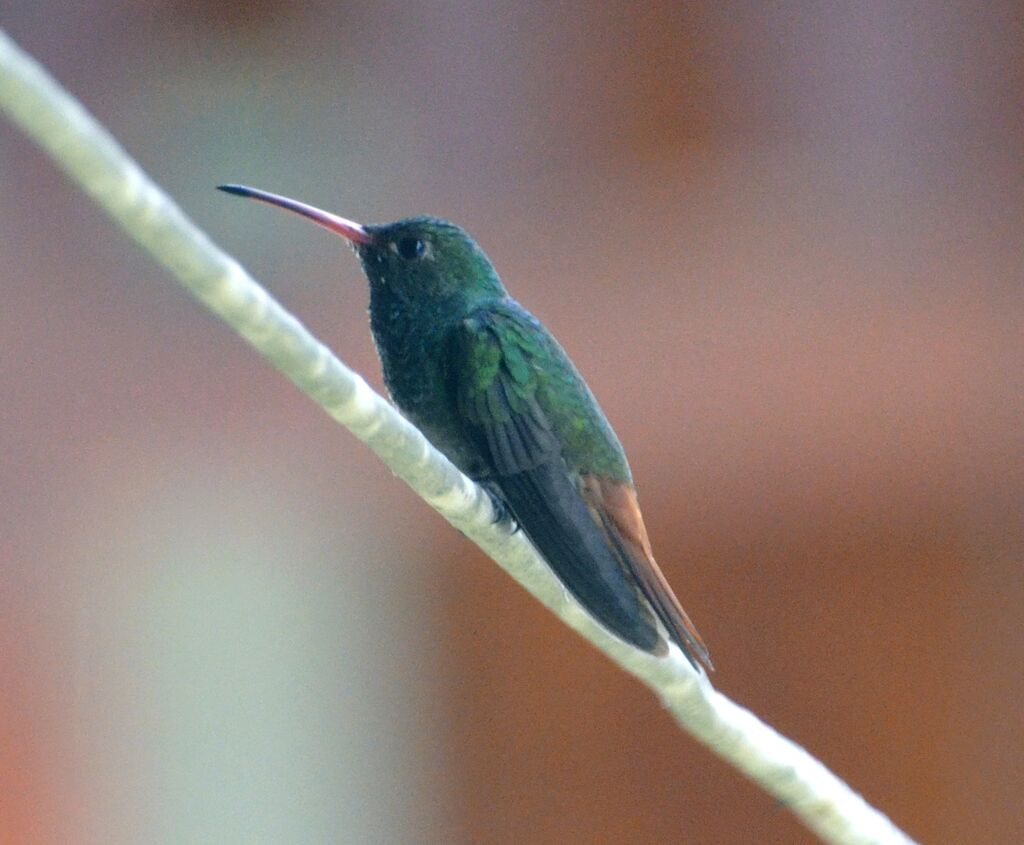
502, 514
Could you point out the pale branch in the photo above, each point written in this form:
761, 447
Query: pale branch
94, 160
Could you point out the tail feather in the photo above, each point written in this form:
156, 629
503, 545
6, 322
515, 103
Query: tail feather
614, 503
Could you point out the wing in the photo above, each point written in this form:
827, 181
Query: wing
495, 359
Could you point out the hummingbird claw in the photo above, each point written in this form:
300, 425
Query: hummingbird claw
502, 514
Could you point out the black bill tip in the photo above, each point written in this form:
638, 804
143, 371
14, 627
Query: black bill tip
237, 190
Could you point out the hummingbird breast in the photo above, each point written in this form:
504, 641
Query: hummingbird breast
413, 350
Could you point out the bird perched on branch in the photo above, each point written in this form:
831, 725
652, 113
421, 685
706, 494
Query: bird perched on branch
491, 388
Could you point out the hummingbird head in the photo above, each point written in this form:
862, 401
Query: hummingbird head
427, 258
418, 259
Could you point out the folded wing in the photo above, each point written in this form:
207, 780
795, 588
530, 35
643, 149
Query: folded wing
587, 528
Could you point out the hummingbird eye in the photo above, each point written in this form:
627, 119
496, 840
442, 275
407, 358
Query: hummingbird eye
411, 248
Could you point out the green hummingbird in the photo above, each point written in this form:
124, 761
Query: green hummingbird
490, 387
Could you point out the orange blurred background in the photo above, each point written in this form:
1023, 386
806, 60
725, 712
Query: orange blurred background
784, 244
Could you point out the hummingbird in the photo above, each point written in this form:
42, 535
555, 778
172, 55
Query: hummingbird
492, 389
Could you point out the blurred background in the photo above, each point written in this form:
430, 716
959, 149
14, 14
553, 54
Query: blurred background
784, 244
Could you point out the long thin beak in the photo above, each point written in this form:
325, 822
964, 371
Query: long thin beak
339, 225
